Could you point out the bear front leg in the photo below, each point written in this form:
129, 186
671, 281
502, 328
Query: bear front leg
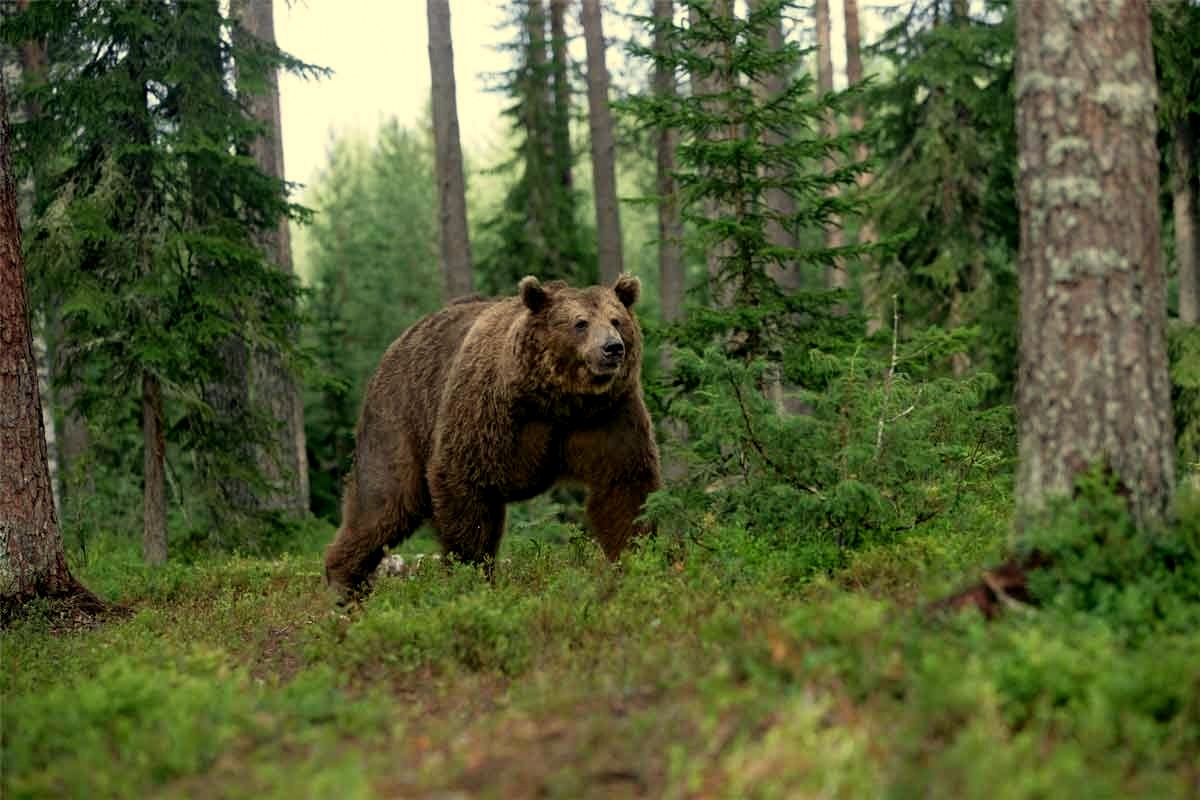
619, 465
469, 526
612, 511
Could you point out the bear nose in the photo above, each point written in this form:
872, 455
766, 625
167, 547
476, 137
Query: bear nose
614, 348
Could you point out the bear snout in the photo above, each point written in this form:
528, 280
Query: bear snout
614, 349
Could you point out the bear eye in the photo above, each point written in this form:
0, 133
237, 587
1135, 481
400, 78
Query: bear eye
581, 325
616, 323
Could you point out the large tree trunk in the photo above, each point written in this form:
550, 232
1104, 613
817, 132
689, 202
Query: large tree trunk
670, 222
32, 560
604, 148
285, 466
780, 203
448, 158
1093, 387
1187, 245
154, 473
67, 454
835, 273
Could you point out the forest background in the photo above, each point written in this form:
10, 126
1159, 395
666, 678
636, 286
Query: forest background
832, 282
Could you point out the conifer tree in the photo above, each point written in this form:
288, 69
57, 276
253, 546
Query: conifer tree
32, 560
537, 229
945, 186
151, 234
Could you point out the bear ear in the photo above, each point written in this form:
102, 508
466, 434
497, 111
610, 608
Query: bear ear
627, 288
533, 294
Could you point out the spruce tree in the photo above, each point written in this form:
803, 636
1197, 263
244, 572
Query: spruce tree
538, 228
150, 236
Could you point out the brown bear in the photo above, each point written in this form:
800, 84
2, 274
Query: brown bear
490, 401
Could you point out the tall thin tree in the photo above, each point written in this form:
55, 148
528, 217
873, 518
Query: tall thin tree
708, 87
1093, 388
866, 230
604, 169
32, 560
448, 158
560, 61
670, 221
781, 202
836, 276
273, 386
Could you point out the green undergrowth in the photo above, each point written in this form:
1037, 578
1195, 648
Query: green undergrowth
724, 665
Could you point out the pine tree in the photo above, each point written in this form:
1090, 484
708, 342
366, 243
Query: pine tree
283, 463
1093, 317
32, 561
537, 230
604, 169
457, 266
670, 223
151, 236
944, 192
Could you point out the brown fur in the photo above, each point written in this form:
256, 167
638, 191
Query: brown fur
491, 401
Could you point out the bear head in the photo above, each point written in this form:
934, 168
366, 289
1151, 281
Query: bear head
589, 339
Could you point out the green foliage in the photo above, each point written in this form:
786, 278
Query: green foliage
374, 265
878, 448
794, 427
1101, 565
1183, 349
946, 187
734, 668
146, 241
538, 230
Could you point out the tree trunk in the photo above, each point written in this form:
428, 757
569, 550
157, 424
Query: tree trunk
285, 466
604, 168
67, 454
1093, 388
836, 276
1187, 245
562, 92
780, 203
448, 158
539, 148
154, 485
706, 88
32, 560
670, 222
872, 295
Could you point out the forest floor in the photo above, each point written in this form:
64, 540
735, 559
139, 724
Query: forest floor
730, 667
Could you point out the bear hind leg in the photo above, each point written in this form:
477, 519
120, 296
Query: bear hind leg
371, 521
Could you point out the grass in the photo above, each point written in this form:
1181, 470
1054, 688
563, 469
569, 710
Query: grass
733, 667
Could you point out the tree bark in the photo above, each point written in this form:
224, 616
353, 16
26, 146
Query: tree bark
1093, 388
670, 222
604, 169
154, 485
539, 146
448, 158
559, 60
706, 88
872, 295
67, 454
780, 203
32, 560
1187, 245
835, 273
285, 466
